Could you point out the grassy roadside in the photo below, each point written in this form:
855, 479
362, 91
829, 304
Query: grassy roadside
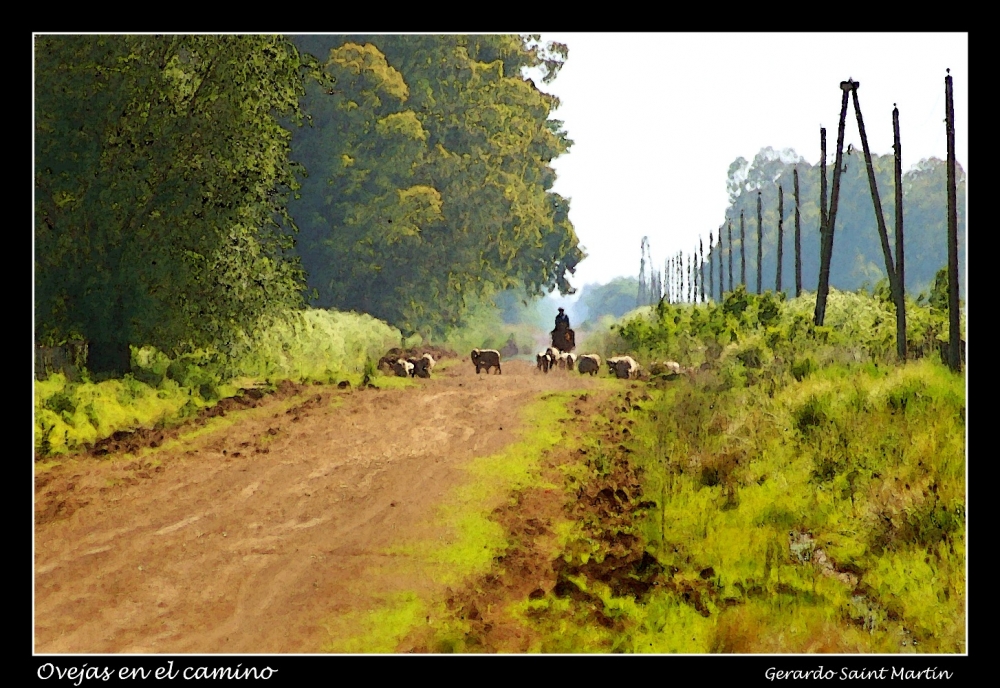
161, 393
826, 517
199, 430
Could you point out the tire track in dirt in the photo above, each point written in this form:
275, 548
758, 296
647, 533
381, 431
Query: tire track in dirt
244, 539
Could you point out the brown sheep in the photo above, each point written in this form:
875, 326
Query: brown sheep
623, 367
422, 366
486, 359
542, 361
588, 363
402, 368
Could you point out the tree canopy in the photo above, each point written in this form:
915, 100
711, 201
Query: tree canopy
173, 174
161, 178
429, 176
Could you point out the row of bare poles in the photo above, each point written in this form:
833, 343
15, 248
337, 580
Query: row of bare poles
685, 274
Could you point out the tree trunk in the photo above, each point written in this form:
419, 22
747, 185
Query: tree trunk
781, 235
722, 291
690, 274
883, 233
798, 238
711, 265
701, 269
900, 309
730, 232
827, 245
954, 335
760, 244
743, 252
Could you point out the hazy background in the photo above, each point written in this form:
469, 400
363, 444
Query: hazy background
657, 119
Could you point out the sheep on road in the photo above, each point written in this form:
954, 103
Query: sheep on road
588, 363
484, 359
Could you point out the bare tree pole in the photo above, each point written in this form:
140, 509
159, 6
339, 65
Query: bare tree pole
640, 297
827, 248
900, 312
760, 243
694, 274
730, 232
697, 276
701, 268
743, 251
678, 282
679, 262
781, 236
695, 268
711, 266
670, 280
666, 279
798, 237
954, 351
690, 274
883, 233
674, 280
823, 218
694, 277
722, 290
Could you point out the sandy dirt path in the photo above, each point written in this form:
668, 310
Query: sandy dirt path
244, 539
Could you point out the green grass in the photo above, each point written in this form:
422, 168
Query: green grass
312, 345
821, 482
871, 466
377, 630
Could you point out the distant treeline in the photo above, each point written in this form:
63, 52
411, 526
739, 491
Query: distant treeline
191, 189
857, 253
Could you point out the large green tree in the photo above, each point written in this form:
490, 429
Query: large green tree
429, 176
162, 173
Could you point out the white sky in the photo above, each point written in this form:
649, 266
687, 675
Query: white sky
657, 118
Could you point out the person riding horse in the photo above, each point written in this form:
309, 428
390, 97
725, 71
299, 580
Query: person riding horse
563, 338
562, 320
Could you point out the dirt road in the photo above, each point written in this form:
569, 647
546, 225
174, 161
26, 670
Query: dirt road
242, 539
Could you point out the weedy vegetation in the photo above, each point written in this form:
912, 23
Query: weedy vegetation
306, 346
797, 490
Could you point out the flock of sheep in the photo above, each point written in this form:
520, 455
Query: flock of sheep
622, 367
409, 367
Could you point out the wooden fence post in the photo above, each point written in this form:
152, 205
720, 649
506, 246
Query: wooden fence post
954, 334
798, 238
760, 244
900, 311
781, 236
827, 245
